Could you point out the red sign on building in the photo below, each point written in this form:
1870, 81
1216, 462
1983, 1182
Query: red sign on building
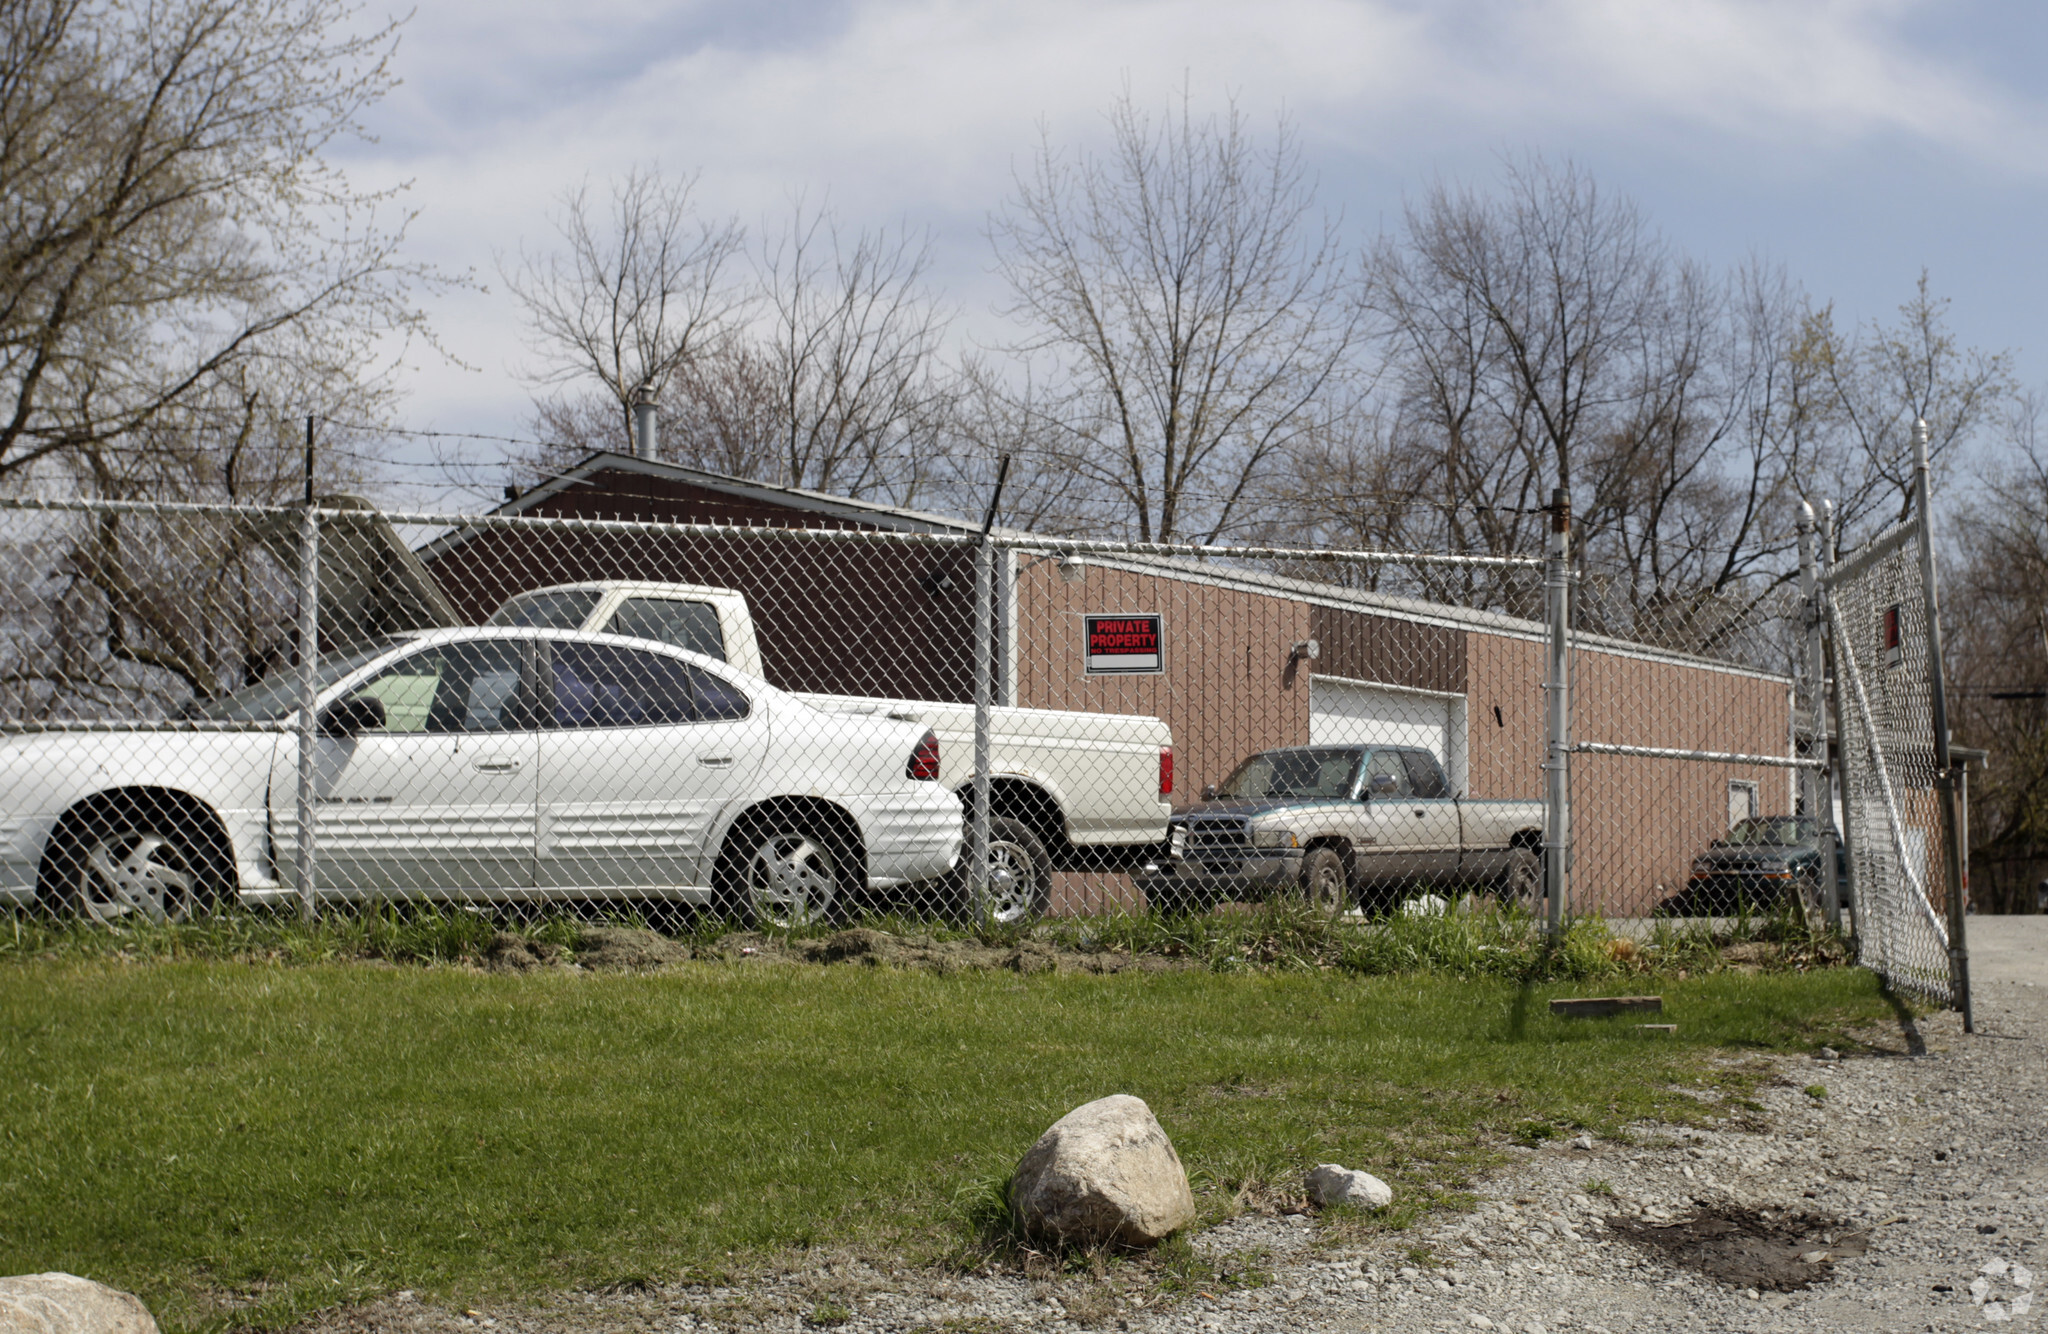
1121, 645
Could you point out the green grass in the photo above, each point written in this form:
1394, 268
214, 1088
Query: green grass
1279, 935
242, 1142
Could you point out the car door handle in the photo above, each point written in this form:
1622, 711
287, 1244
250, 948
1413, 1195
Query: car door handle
496, 766
715, 761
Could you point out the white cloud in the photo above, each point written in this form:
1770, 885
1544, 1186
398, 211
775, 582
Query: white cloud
918, 109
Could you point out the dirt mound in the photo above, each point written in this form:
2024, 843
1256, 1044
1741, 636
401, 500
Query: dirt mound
516, 954
617, 947
1748, 1249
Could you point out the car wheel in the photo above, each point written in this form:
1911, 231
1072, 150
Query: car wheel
1167, 895
1522, 882
790, 878
1019, 875
120, 866
1325, 886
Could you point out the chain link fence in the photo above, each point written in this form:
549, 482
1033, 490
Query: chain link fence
786, 722
1687, 752
1896, 837
764, 707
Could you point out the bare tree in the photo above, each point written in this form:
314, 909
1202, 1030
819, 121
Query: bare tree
838, 384
631, 298
1995, 614
853, 350
1880, 379
1186, 309
1544, 336
172, 230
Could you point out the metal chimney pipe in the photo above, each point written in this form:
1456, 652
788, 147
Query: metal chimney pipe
646, 423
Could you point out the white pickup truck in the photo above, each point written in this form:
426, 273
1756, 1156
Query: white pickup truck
1066, 788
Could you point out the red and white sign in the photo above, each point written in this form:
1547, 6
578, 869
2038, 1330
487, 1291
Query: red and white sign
1123, 645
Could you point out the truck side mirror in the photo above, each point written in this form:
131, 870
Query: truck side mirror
351, 717
1209, 792
1381, 785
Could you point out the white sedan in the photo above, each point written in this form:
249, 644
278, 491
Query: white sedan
484, 765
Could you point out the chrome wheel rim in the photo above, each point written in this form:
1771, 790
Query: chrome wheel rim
132, 876
1326, 889
1012, 882
791, 881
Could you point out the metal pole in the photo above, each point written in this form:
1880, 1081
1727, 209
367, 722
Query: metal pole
1557, 715
309, 682
1843, 886
984, 667
984, 663
646, 423
1944, 764
1816, 669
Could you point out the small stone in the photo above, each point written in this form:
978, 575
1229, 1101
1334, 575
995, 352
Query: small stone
1332, 1184
1828, 1054
58, 1303
1478, 1322
1753, 1295
1583, 1143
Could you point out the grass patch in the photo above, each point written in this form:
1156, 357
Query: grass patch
242, 1143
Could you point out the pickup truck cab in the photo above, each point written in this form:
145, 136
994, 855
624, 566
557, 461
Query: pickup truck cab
1340, 825
1067, 789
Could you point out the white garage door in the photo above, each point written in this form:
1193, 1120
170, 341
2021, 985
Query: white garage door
1350, 713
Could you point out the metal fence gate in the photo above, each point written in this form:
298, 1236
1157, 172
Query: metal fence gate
1898, 784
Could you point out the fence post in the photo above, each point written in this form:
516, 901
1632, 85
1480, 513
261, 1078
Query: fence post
984, 668
1557, 715
984, 663
1815, 663
1831, 674
1944, 765
309, 683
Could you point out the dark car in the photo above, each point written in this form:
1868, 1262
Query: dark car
1763, 863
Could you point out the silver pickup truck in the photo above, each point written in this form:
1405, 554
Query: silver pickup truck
1344, 825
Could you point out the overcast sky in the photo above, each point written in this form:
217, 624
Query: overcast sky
1854, 141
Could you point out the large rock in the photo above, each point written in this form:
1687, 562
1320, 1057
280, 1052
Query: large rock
1331, 1184
68, 1304
1104, 1174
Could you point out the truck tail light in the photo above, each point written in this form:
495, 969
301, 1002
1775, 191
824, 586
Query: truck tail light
924, 761
1166, 771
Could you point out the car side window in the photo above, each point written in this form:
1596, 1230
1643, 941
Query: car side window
1386, 764
473, 686
603, 685
687, 625
718, 700
1425, 775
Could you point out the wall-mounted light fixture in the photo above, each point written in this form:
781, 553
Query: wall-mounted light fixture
1073, 569
1305, 650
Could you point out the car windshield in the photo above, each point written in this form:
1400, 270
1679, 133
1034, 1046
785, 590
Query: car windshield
1783, 831
549, 609
1316, 771
277, 695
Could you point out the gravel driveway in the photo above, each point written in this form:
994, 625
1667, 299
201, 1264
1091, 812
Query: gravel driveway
1914, 1197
